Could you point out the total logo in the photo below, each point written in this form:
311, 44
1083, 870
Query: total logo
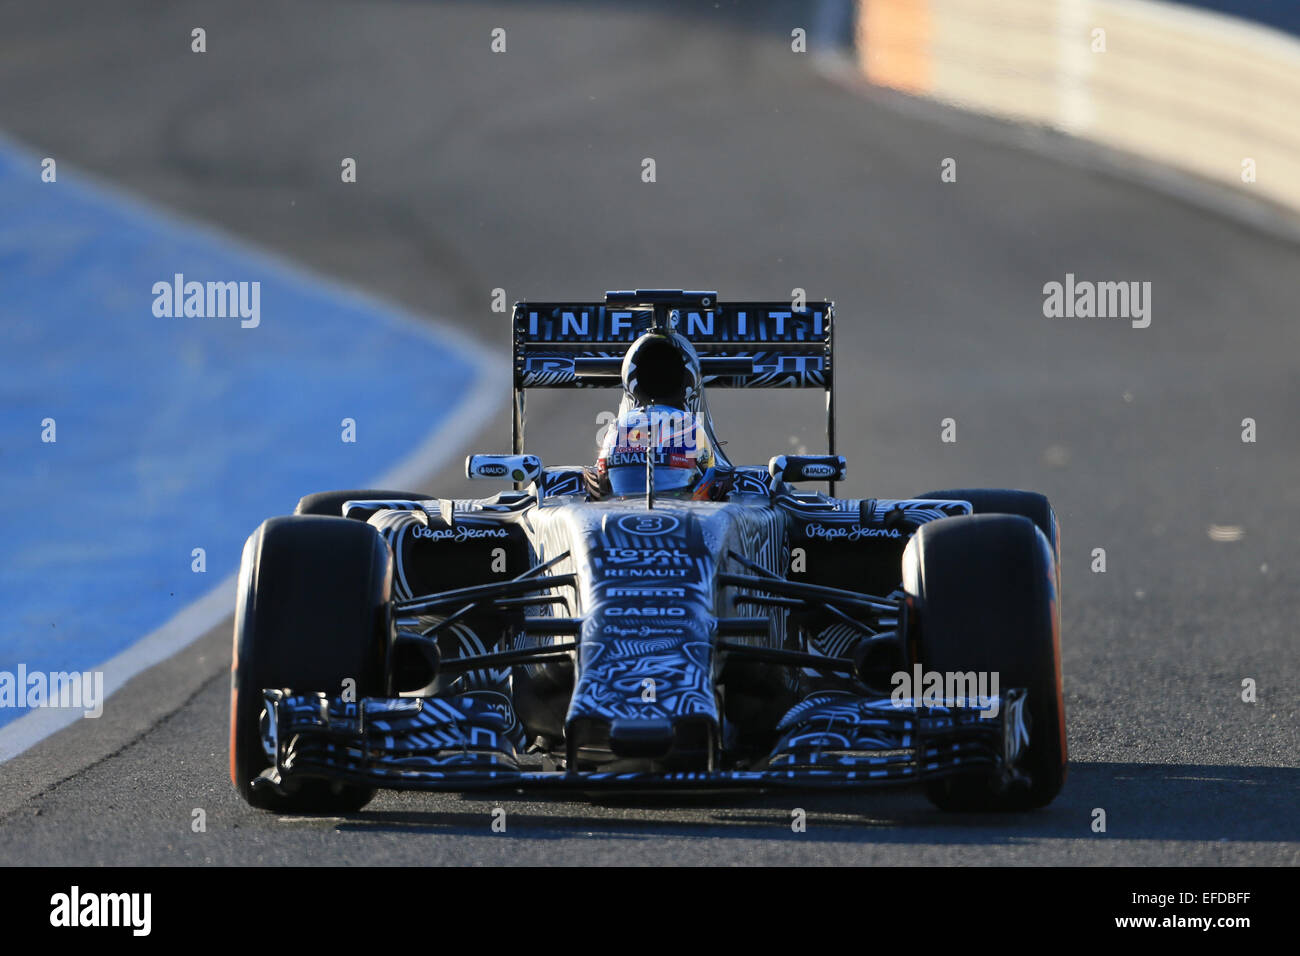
646, 556
459, 533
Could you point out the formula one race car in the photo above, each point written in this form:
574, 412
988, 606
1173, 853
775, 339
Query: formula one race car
661, 619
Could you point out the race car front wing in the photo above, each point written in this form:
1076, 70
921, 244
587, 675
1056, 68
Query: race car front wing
833, 739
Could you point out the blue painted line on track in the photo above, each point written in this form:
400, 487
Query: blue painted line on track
172, 433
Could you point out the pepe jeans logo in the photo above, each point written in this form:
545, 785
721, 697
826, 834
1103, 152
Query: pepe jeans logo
849, 532
645, 630
460, 533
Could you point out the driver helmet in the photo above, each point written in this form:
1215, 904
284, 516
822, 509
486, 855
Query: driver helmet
675, 440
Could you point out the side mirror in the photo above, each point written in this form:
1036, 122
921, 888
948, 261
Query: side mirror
808, 467
522, 468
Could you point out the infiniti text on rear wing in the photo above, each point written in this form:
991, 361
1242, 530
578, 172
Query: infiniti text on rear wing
740, 344
789, 348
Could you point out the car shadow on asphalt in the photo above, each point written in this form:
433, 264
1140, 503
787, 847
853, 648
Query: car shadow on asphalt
1134, 801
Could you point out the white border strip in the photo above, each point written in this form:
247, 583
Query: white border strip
1267, 216
1215, 25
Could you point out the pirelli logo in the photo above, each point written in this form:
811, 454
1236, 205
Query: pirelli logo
647, 592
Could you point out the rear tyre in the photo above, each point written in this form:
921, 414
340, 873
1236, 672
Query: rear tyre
331, 502
313, 609
982, 589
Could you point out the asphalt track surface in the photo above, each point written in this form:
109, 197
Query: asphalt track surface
522, 171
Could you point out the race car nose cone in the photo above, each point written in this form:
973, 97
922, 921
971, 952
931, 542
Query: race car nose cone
641, 738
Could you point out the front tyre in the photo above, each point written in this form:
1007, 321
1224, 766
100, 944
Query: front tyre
1008, 501
313, 610
982, 589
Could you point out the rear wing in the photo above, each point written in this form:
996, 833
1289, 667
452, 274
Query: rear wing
741, 344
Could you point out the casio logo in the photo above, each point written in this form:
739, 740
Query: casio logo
646, 612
